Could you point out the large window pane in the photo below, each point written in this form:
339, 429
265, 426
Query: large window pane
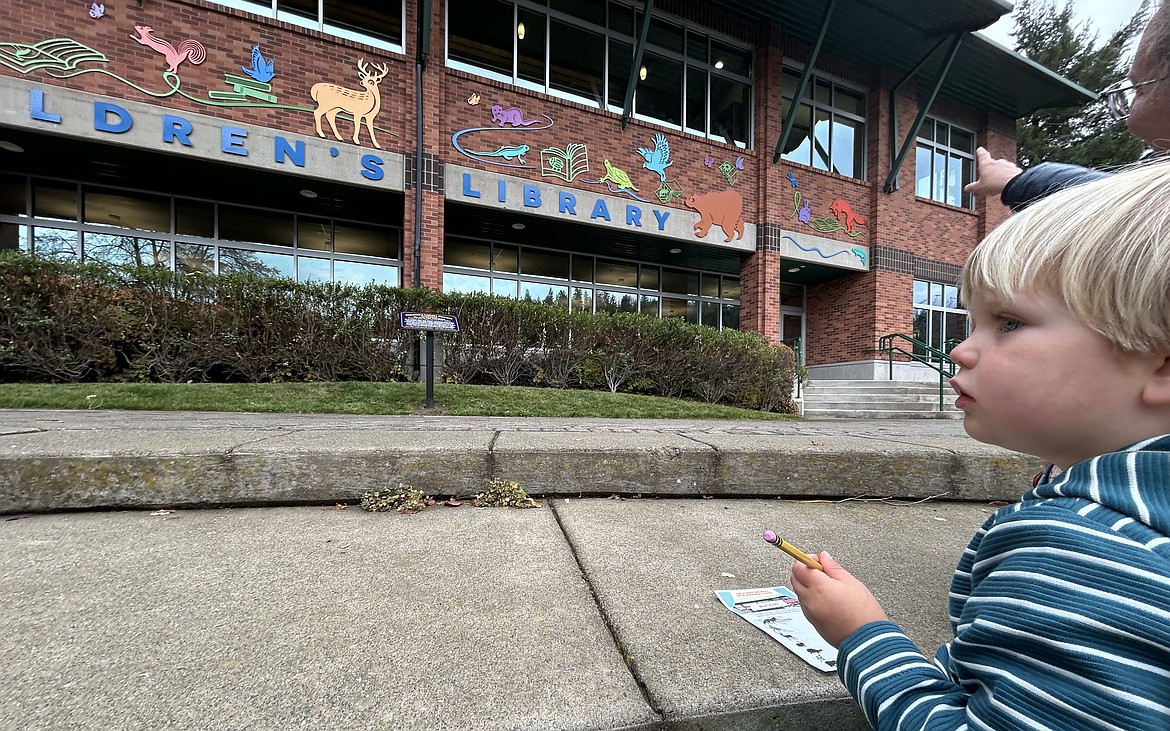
799, 146
530, 49
13, 194
262, 263
731, 59
354, 238
847, 147
696, 99
680, 282
660, 94
505, 258
577, 61
128, 210
480, 33
195, 218
126, 250
56, 243
254, 226
730, 110
591, 12
536, 263
649, 305
505, 287
730, 317
314, 233
312, 269
621, 57
13, 237
613, 272
381, 20
55, 201
582, 299
731, 289
687, 310
454, 282
611, 301
545, 294
352, 272
469, 254
194, 258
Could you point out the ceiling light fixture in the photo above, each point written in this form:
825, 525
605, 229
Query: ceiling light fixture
309, 193
718, 64
10, 146
520, 30
795, 269
642, 73
676, 251
518, 226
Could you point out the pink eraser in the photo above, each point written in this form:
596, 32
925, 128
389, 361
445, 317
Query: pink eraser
769, 536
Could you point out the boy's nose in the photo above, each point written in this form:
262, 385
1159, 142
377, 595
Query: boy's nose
963, 354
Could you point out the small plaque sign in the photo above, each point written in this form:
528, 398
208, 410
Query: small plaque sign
429, 321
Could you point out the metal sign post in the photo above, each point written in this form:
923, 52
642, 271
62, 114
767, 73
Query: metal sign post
430, 323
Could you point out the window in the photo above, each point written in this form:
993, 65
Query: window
944, 163
828, 131
376, 24
938, 319
590, 284
137, 228
688, 80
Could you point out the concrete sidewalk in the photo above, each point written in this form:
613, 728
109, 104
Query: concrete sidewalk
112, 459
585, 613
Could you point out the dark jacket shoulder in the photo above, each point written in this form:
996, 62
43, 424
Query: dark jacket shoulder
1044, 179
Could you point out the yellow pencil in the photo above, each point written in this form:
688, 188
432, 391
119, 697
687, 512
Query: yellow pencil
792, 550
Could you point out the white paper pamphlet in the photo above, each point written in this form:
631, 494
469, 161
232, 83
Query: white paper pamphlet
776, 610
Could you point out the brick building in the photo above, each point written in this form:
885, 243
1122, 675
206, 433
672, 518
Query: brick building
793, 169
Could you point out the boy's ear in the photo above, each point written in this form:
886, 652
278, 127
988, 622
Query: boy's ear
1157, 388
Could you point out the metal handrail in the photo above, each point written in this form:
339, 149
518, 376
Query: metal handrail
939, 360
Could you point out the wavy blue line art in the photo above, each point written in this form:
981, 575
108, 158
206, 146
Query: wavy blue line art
479, 156
856, 252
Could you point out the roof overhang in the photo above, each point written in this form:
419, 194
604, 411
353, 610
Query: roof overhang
898, 34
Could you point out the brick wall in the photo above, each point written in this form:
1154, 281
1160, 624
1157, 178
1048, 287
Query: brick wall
845, 316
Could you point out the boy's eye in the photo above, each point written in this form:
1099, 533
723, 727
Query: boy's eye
1007, 324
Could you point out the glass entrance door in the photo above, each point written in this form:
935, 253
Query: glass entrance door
792, 319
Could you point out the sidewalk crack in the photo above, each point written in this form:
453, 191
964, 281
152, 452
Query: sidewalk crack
631, 663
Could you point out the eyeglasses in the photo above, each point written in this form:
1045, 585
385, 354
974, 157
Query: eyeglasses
1119, 97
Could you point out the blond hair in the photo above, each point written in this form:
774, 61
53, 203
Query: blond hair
1102, 247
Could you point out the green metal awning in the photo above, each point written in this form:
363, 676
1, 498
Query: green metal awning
899, 34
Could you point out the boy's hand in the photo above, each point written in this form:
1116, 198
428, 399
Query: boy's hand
992, 174
834, 602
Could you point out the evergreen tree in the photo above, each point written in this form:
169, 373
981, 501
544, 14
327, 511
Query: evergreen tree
1081, 135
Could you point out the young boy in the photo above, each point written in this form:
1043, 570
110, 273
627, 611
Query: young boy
1060, 605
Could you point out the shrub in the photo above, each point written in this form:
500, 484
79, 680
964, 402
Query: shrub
67, 322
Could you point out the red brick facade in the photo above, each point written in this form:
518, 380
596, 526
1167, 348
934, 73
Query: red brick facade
907, 237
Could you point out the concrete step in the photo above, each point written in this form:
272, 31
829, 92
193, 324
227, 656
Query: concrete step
846, 413
878, 399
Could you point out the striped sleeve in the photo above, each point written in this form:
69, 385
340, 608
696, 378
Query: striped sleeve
1066, 626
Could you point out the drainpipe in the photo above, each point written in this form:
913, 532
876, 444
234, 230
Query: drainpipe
424, 49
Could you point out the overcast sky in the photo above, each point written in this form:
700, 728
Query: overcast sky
1105, 16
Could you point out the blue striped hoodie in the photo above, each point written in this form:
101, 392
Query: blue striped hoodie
1060, 608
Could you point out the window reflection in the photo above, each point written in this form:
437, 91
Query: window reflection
352, 272
312, 269
56, 243
127, 250
194, 258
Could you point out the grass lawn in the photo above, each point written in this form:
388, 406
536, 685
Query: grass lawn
363, 398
